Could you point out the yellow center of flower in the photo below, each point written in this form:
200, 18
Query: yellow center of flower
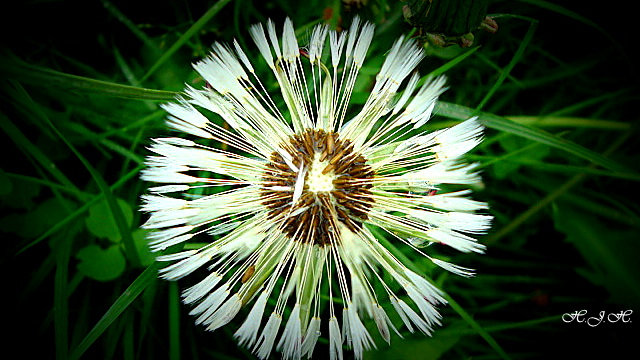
328, 184
316, 180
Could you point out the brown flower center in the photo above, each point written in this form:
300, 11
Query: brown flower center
335, 188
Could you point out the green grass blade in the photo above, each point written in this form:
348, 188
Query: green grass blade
147, 277
36, 75
571, 121
135, 30
514, 60
502, 124
62, 250
186, 36
455, 61
30, 149
174, 322
476, 327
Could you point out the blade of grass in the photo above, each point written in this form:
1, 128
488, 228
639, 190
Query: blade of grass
30, 149
570, 121
147, 277
186, 36
174, 322
36, 75
135, 30
476, 327
62, 250
502, 124
115, 209
514, 60
450, 64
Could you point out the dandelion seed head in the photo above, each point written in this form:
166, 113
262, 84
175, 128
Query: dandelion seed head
304, 185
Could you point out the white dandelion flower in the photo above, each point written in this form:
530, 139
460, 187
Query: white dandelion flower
292, 197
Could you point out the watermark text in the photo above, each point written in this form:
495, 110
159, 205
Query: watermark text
582, 316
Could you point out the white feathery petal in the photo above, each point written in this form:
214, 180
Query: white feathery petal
453, 268
337, 42
409, 316
458, 140
170, 218
248, 332
311, 337
257, 34
185, 267
354, 31
335, 339
202, 288
184, 117
163, 189
273, 37
383, 322
408, 91
460, 221
268, 336
360, 338
469, 223
160, 246
316, 44
405, 319
428, 311
291, 339
346, 331
242, 56
363, 42
226, 57
455, 201
421, 106
444, 173
161, 203
177, 256
161, 236
456, 240
175, 141
166, 174
225, 313
210, 303
290, 48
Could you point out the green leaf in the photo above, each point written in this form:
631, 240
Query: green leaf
101, 222
101, 264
